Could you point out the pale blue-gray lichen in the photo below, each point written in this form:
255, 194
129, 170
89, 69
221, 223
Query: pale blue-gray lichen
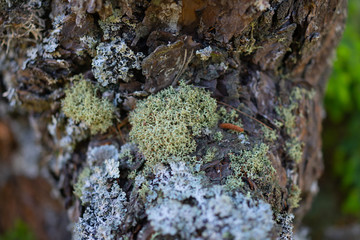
115, 61
190, 209
100, 194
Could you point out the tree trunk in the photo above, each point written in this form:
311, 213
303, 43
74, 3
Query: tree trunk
165, 119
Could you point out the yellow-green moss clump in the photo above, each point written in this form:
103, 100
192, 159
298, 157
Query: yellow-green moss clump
81, 104
164, 124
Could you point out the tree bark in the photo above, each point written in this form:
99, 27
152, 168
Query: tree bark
269, 60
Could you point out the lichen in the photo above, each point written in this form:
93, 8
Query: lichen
251, 164
294, 197
82, 105
91, 44
66, 134
84, 175
286, 112
230, 116
218, 136
262, 5
205, 53
111, 25
21, 26
210, 154
50, 43
115, 61
188, 209
164, 124
269, 134
294, 149
103, 199
285, 223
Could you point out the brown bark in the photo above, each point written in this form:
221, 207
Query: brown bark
267, 49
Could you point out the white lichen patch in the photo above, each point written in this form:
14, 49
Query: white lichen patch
262, 5
52, 41
190, 210
205, 53
103, 199
65, 142
114, 61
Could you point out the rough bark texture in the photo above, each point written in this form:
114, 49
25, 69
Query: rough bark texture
269, 59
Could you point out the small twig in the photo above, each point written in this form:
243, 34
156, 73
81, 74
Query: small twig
245, 114
231, 127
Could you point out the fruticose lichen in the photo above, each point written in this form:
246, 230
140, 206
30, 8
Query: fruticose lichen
101, 195
251, 164
164, 124
294, 145
115, 61
286, 112
294, 149
295, 197
82, 105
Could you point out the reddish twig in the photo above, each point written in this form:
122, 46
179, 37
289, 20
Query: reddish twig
231, 127
244, 114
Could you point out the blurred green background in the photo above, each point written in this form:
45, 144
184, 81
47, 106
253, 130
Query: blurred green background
338, 202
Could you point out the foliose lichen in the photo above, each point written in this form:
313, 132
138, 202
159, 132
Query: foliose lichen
100, 194
188, 209
164, 124
82, 105
65, 141
111, 25
205, 53
115, 61
285, 223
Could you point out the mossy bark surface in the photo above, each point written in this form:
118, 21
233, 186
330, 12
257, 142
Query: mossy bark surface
261, 64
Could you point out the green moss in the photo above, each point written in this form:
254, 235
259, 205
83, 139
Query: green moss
294, 198
251, 164
81, 104
164, 124
294, 149
19, 230
84, 175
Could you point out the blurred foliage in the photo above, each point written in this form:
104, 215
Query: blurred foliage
342, 102
20, 231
